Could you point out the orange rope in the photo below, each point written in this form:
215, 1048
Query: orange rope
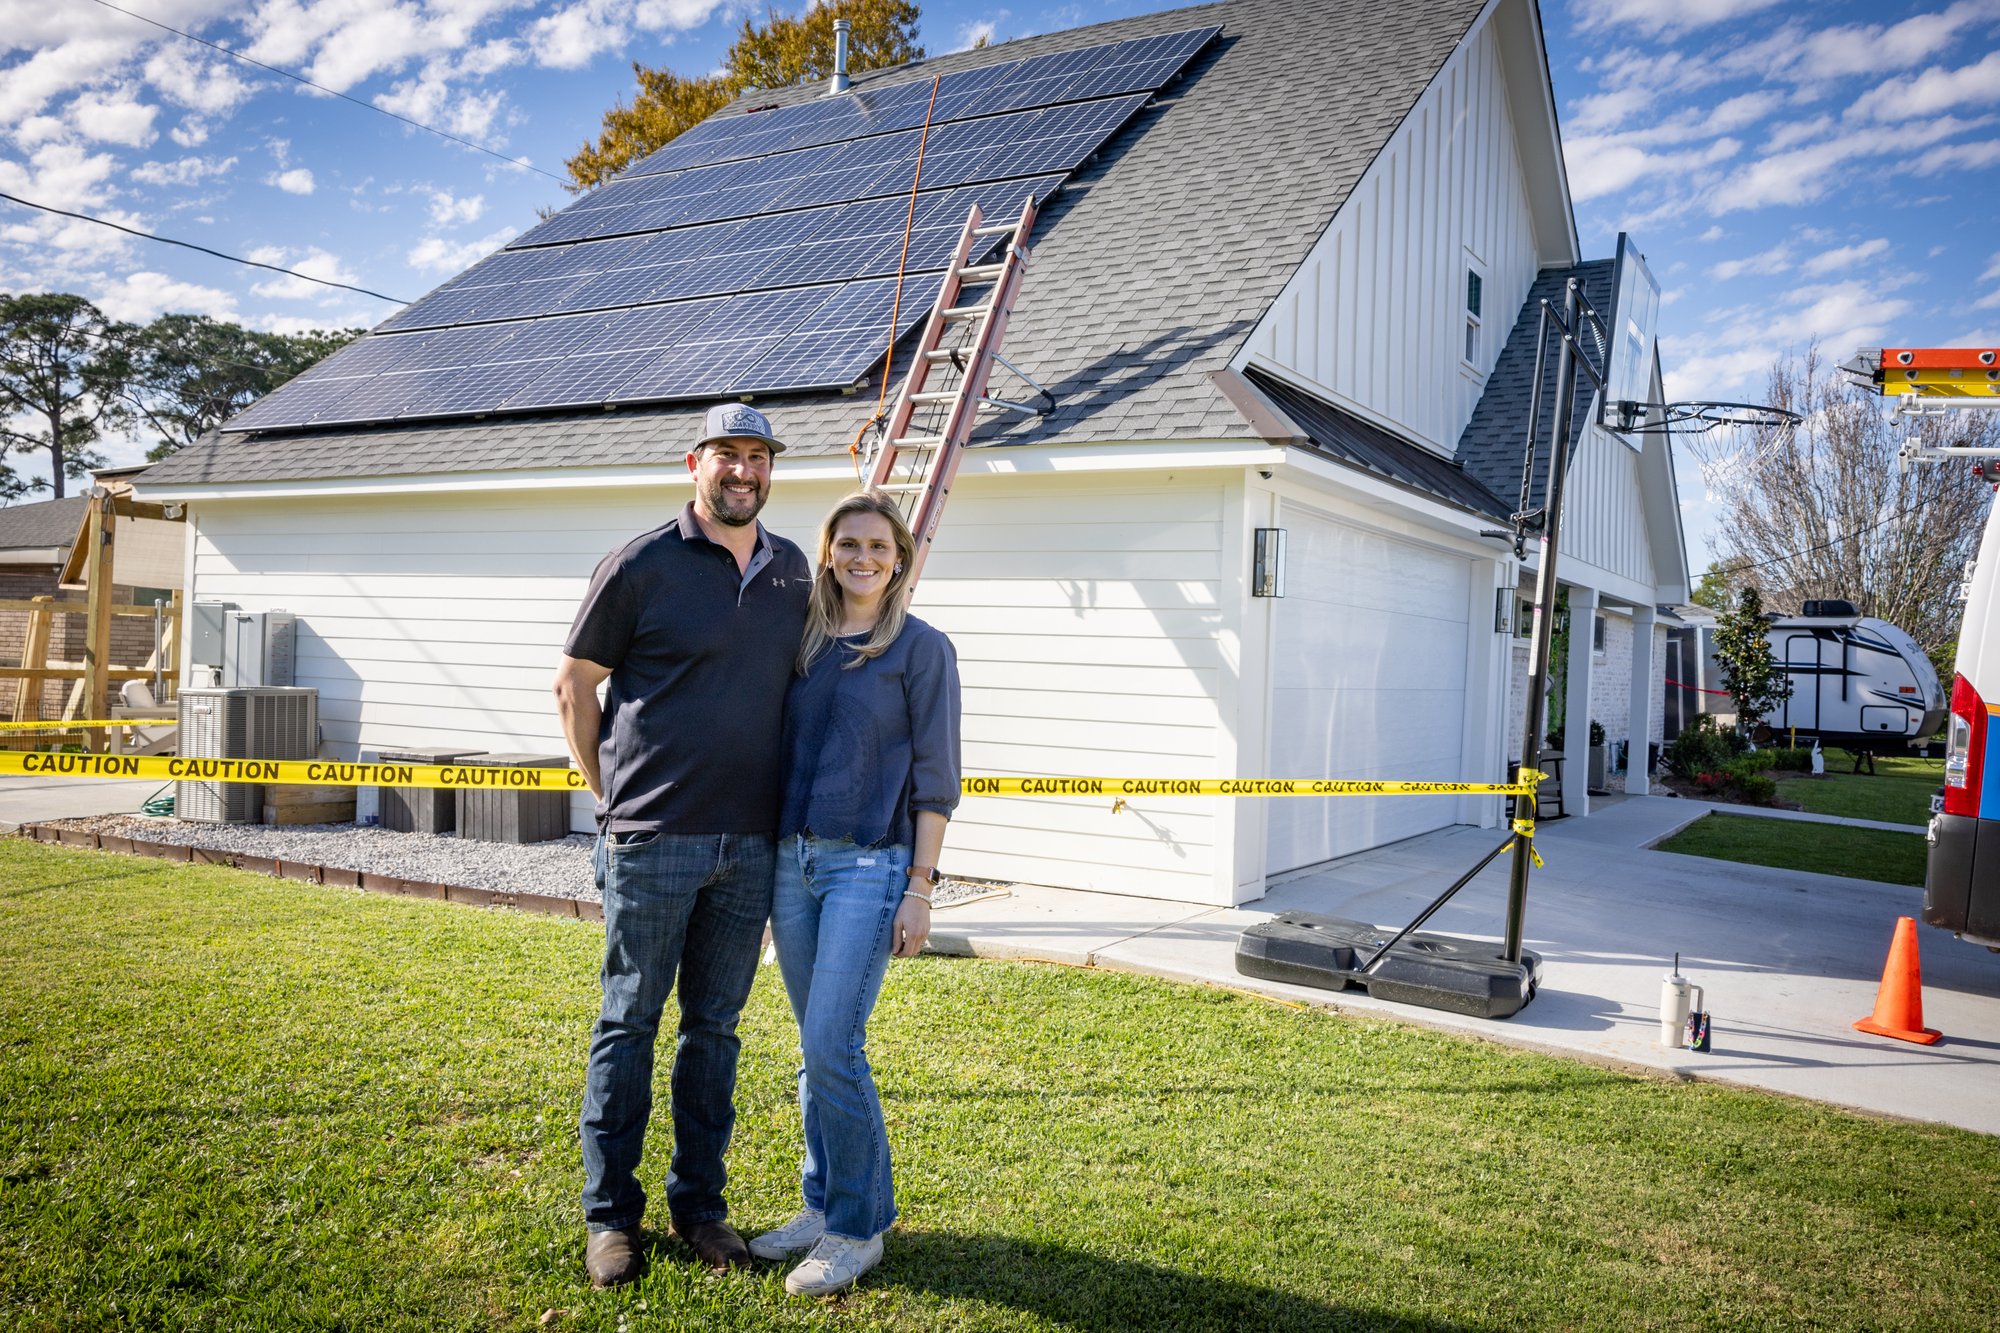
896, 306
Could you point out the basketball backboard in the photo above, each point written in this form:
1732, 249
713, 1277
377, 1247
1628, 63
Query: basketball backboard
1635, 317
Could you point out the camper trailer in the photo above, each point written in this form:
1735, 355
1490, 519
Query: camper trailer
1857, 682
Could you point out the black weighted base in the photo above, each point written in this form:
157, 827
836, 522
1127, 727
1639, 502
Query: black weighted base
1446, 972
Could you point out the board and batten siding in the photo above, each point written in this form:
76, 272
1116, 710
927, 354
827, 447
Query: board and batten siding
1374, 319
1086, 615
1604, 514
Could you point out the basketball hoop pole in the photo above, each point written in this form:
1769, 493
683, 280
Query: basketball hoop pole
1542, 638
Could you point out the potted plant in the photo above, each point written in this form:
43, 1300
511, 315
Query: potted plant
1596, 755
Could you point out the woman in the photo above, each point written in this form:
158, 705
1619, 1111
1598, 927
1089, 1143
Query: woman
871, 752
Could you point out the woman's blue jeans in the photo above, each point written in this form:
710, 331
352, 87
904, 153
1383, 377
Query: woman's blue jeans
831, 911
686, 908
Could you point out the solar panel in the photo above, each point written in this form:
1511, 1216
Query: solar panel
756, 252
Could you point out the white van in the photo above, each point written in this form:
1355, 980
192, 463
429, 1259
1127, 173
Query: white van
1962, 880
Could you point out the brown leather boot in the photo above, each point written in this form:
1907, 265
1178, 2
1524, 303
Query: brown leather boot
613, 1257
715, 1244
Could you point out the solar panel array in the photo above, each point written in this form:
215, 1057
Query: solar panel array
753, 254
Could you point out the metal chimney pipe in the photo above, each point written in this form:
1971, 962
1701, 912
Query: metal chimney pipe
840, 82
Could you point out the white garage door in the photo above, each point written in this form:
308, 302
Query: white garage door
1369, 683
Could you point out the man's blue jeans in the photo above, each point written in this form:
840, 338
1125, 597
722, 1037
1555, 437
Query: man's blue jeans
830, 916
686, 903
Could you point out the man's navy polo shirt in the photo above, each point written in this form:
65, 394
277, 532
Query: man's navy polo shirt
700, 658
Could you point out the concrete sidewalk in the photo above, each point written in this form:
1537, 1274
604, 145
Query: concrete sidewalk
1789, 959
25, 799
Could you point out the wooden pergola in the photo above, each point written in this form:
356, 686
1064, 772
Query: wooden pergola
92, 562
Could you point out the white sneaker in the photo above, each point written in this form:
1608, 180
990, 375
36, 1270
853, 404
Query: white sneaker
834, 1265
795, 1237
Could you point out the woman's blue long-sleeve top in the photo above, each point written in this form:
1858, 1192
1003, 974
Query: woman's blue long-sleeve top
866, 748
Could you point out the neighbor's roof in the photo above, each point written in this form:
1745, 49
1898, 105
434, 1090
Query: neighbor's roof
46, 523
1150, 268
1491, 445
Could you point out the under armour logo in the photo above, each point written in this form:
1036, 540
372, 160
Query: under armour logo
777, 583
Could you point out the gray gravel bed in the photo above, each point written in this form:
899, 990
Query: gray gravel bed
558, 869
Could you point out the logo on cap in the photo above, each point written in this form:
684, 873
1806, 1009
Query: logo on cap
745, 420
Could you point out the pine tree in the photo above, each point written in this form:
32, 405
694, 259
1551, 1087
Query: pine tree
1749, 670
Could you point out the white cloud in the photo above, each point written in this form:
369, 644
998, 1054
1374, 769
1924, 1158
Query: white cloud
1974, 156
1809, 172
1775, 260
1714, 233
449, 211
1602, 165
1653, 17
1732, 357
145, 295
188, 77
1992, 272
435, 254
39, 130
1990, 301
1843, 257
184, 171
1931, 92
190, 133
116, 116
299, 180
311, 261
972, 34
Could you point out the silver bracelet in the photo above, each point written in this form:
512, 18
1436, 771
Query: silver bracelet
921, 897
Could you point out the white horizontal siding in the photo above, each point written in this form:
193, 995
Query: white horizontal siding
1374, 318
1085, 614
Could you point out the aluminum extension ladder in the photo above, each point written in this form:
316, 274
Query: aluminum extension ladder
926, 433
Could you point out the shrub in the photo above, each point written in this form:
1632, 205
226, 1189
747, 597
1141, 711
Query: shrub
1701, 747
1790, 759
1756, 788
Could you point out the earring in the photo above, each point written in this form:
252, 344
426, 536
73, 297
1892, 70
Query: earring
898, 569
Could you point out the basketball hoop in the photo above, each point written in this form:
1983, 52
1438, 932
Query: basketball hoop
1697, 416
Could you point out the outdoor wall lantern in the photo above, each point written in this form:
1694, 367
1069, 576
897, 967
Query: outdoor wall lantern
1267, 575
1503, 610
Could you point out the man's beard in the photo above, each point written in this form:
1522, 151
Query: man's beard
729, 509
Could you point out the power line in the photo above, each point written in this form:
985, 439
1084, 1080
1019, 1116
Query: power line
1831, 541
320, 87
190, 245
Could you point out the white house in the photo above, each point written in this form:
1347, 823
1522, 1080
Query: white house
1255, 308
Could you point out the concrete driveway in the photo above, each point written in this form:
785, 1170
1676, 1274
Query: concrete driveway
25, 798
1789, 959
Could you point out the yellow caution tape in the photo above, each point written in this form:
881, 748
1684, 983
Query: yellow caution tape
333, 773
90, 722
292, 772
1122, 787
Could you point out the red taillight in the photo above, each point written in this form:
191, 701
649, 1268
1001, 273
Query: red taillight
1964, 749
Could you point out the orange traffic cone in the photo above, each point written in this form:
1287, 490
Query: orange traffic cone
1899, 1004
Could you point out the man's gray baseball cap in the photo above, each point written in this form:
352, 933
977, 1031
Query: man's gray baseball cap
737, 421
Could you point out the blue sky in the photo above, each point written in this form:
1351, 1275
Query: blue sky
1792, 172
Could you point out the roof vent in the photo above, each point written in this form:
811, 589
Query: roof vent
839, 83
1829, 608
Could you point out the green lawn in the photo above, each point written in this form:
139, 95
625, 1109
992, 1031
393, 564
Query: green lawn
1898, 792
1794, 844
233, 1103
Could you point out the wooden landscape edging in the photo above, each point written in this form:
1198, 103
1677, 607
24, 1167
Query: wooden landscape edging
307, 872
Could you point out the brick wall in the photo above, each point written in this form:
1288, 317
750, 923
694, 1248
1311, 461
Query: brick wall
131, 636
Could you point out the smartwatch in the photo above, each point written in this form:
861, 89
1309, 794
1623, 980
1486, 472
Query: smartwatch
927, 874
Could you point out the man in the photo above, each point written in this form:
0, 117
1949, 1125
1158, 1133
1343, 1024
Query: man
696, 626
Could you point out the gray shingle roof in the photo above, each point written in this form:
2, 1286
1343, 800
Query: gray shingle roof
1491, 445
44, 523
1366, 446
1151, 267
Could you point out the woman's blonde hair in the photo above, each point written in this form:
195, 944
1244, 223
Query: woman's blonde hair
823, 609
